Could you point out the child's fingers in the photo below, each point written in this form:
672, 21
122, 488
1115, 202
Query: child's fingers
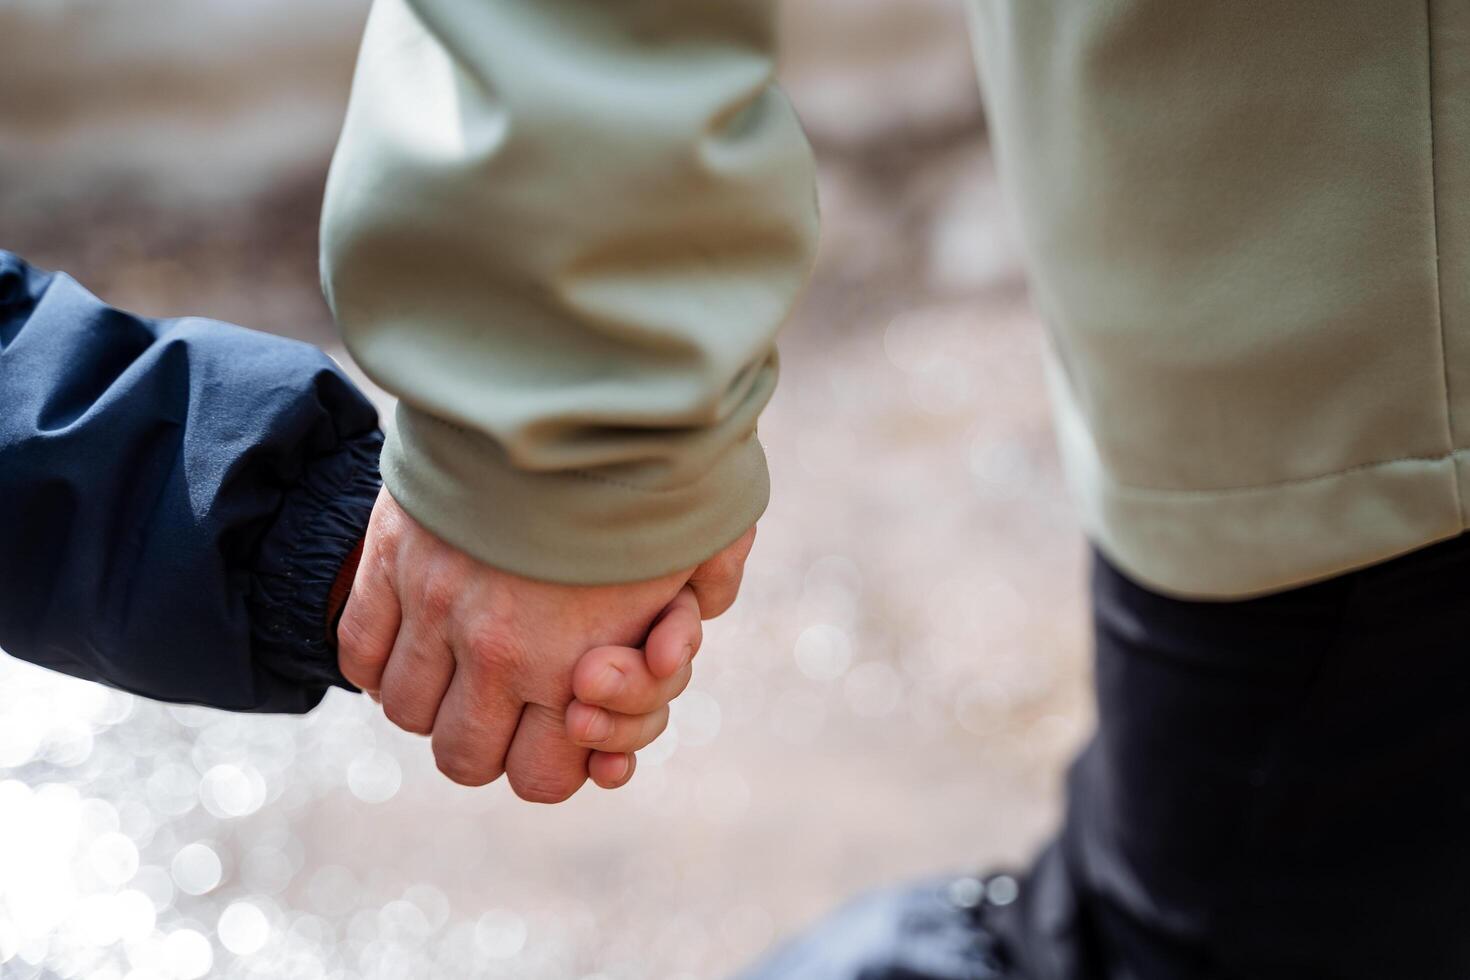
675, 638
605, 731
618, 679
611, 769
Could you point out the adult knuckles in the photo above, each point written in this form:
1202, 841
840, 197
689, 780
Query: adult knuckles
407, 713
491, 647
466, 772
351, 636
544, 786
353, 652
437, 596
549, 797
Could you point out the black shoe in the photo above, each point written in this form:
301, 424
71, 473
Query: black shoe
932, 931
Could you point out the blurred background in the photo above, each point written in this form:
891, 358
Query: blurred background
896, 693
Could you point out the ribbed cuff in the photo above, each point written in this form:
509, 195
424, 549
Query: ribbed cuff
321, 522
575, 528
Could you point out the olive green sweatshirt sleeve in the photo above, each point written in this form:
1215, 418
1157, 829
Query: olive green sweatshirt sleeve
564, 233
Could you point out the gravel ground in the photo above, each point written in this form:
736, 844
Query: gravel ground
896, 693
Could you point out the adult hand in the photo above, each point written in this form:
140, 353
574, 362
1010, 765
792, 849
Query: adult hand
482, 659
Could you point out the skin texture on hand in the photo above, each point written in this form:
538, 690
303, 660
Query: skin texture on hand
483, 660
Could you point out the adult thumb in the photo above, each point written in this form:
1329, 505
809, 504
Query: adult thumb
716, 582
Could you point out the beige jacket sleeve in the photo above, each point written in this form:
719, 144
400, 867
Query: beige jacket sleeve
564, 233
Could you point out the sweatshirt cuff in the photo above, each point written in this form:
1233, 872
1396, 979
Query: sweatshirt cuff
571, 527
320, 525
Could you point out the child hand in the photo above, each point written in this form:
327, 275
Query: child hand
623, 693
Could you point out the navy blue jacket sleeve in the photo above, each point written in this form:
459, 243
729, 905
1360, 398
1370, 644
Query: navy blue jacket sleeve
176, 498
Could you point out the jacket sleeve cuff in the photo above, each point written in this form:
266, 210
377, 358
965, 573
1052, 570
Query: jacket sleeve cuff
321, 523
572, 527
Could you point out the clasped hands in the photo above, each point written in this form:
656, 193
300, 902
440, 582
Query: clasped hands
547, 684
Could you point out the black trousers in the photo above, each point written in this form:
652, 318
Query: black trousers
1278, 788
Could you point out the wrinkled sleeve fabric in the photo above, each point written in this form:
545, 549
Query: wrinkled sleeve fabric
565, 233
176, 498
